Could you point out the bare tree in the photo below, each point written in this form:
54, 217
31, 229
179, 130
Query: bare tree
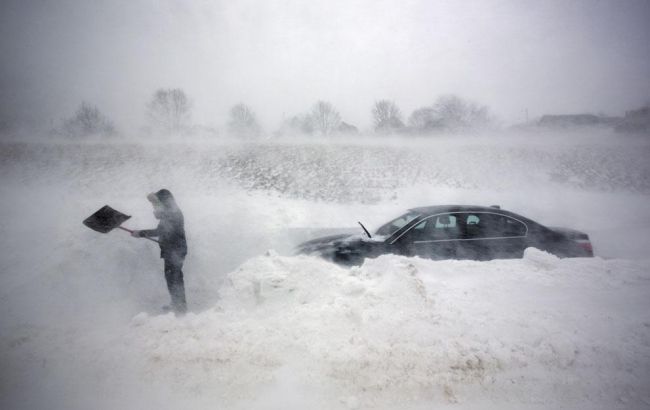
322, 119
296, 125
169, 110
454, 113
387, 117
325, 119
423, 120
302, 123
243, 122
86, 121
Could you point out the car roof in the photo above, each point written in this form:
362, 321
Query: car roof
436, 209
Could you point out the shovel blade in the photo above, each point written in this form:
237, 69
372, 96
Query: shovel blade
105, 220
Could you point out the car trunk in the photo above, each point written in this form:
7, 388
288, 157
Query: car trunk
580, 238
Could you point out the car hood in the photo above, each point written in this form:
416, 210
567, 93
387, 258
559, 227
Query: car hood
329, 243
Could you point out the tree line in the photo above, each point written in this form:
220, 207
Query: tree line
169, 112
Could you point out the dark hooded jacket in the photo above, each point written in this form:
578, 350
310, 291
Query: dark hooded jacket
171, 228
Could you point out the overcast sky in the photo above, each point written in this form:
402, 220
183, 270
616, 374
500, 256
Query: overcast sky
280, 56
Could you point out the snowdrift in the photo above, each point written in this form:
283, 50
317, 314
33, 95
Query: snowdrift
397, 332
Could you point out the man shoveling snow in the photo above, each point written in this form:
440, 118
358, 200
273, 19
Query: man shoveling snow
173, 246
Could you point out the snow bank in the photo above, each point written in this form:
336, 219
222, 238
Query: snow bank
348, 331
397, 332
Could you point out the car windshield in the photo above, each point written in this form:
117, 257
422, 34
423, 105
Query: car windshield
397, 223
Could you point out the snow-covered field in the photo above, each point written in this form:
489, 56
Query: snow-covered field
81, 326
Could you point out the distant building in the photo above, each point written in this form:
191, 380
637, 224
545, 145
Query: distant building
346, 128
635, 121
576, 120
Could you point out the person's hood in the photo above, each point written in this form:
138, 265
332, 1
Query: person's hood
153, 198
162, 199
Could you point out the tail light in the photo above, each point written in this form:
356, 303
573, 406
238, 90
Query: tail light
586, 245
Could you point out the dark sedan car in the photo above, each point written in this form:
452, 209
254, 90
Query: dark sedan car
452, 232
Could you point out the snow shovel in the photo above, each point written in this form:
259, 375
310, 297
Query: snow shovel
107, 219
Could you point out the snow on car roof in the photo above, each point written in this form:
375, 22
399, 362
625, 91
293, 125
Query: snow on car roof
455, 208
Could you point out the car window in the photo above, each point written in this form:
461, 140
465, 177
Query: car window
397, 223
439, 227
486, 225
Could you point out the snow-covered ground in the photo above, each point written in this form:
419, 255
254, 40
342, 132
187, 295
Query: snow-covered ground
81, 326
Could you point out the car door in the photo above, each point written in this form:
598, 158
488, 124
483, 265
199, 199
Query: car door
491, 236
434, 237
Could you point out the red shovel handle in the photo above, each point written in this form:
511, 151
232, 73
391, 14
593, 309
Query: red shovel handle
131, 231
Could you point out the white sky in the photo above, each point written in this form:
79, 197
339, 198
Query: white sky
281, 56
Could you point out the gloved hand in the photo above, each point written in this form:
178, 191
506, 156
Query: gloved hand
136, 234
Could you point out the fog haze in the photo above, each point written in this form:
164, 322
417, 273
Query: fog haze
281, 56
